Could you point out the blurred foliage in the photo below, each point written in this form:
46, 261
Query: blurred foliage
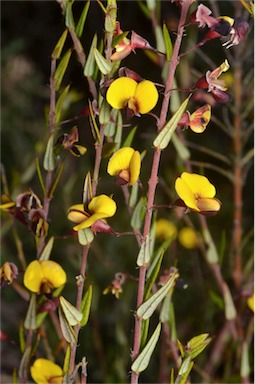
30, 31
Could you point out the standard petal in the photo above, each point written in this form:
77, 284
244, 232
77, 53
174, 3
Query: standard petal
53, 273
120, 91
44, 371
200, 118
146, 95
199, 185
135, 166
185, 193
103, 204
33, 276
120, 160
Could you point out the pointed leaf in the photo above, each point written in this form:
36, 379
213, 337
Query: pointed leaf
160, 44
49, 161
93, 123
87, 189
66, 329
245, 364
104, 113
211, 251
85, 306
151, 278
39, 173
30, 320
230, 310
69, 14
90, 63
80, 25
22, 340
67, 359
148, 307
108, 149
72, 314
118, 133
165, 309
144, 332
163, 138
133, 195
85, 236
103, 65
184, 371
59, 46
168, 43
117, 39
56, 180
45, 255
138, 214
130, 137
61, 69
60, 102
143, 359
144, 253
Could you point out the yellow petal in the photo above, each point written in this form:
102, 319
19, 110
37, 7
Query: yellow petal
120, 160
165, 229
33, 276
146, 95
53, 273
104, 205
199, 184
44, 371
185, 193
90, 221
120, 91
135, 166
76, 213
250, 302
187, 237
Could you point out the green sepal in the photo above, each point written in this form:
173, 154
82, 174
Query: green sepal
85, 236
72, 314
59, 46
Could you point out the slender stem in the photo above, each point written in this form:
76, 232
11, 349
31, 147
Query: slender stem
99, 147
153, 181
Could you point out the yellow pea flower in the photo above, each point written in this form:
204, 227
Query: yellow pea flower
200, 118
44, 371
165, 229
197, 193
100, 207
250, 302
140, 98
187, 238
43, 276
125, 164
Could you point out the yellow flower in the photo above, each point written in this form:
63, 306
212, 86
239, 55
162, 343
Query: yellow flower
250, 302
188, 238
197, 193
43, 276
200, 118
44, 371
138, 97
165, 229
125, 164
100, 207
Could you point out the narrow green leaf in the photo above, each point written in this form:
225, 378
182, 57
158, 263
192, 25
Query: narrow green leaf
110, 18
163, 138
230, 310
93, 123
22, 340
39, 173
102, 6
161, 250
66, 329
130, 137
40, 318
138, 214
133, 195
117, 39
59, 104
168, 43
181, 149
67, 359
85, 236
90, 63
49, 161
45, 255
151, 4
56, 180
80, 25
245, 365
87, 189
30, 320
24, 364
119, 129
148, 307
69, 15
197, 340
86, 305
144, 253
165, 309
144, 9
103, 65
211, 251
59, 46
144, 332
184, 371
153, 275
72, 314
160, 44
197, 344
143, 359
61, 69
